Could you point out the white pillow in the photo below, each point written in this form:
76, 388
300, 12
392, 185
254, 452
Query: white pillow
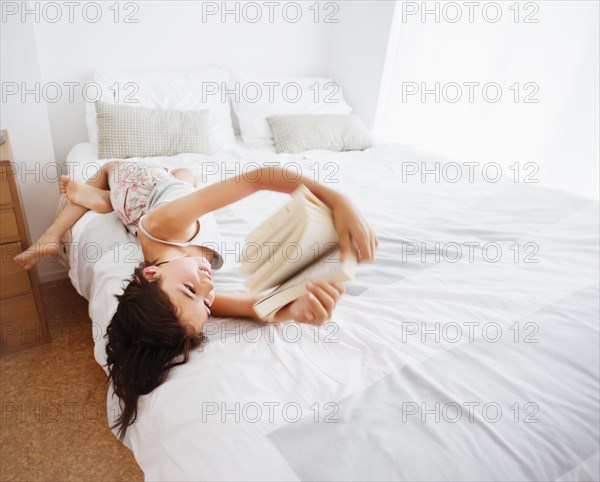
258, 96
194, 89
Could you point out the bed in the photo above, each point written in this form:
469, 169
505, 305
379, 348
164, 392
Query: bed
467, 350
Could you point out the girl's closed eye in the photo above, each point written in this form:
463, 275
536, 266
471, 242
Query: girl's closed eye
191, 288
207, 304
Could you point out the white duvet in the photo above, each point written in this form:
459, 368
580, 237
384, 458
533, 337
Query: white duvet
468, 350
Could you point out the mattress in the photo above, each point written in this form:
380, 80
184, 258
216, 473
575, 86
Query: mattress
467, 350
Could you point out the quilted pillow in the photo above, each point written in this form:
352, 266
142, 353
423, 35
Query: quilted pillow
126, 131
297, 133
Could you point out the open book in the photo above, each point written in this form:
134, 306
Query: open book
298, 243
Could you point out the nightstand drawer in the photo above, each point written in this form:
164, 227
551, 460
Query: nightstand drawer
20, 325
22, 315
14, 280
8, 226
5, 199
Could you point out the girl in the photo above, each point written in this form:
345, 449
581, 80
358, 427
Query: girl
170, 296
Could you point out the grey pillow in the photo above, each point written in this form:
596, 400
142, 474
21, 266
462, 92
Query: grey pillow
297, 133
127, 131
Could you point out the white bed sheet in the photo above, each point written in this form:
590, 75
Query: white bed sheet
357, 380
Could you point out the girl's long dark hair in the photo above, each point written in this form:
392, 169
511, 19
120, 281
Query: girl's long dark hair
145, 338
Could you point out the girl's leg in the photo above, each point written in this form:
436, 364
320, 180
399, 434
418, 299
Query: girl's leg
48, 243
94, 194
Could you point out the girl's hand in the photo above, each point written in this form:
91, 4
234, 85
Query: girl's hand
315, 307
352, 228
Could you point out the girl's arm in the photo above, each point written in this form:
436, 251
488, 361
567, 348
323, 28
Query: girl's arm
171, 220
235, 305
314, 307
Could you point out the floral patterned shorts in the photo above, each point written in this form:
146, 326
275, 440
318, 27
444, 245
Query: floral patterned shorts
130, 185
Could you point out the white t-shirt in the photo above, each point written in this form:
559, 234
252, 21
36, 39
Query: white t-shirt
208, 234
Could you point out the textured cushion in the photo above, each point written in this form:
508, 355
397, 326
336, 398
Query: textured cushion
297, 133
125, 131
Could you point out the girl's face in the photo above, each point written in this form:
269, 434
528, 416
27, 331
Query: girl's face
187, 282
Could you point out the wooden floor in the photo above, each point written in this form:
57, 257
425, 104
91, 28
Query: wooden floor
53, 403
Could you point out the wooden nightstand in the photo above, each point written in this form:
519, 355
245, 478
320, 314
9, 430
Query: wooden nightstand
22, 316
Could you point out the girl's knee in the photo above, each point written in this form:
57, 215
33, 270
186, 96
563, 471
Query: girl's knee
184, 174
109, 167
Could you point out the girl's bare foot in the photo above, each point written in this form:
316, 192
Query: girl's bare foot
47, 245
82, 194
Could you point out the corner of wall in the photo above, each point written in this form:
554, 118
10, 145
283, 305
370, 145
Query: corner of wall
358, 51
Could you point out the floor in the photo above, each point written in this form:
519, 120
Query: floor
53, 400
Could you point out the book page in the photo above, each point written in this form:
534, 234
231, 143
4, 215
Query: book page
317, 238
326, 265
327, 268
